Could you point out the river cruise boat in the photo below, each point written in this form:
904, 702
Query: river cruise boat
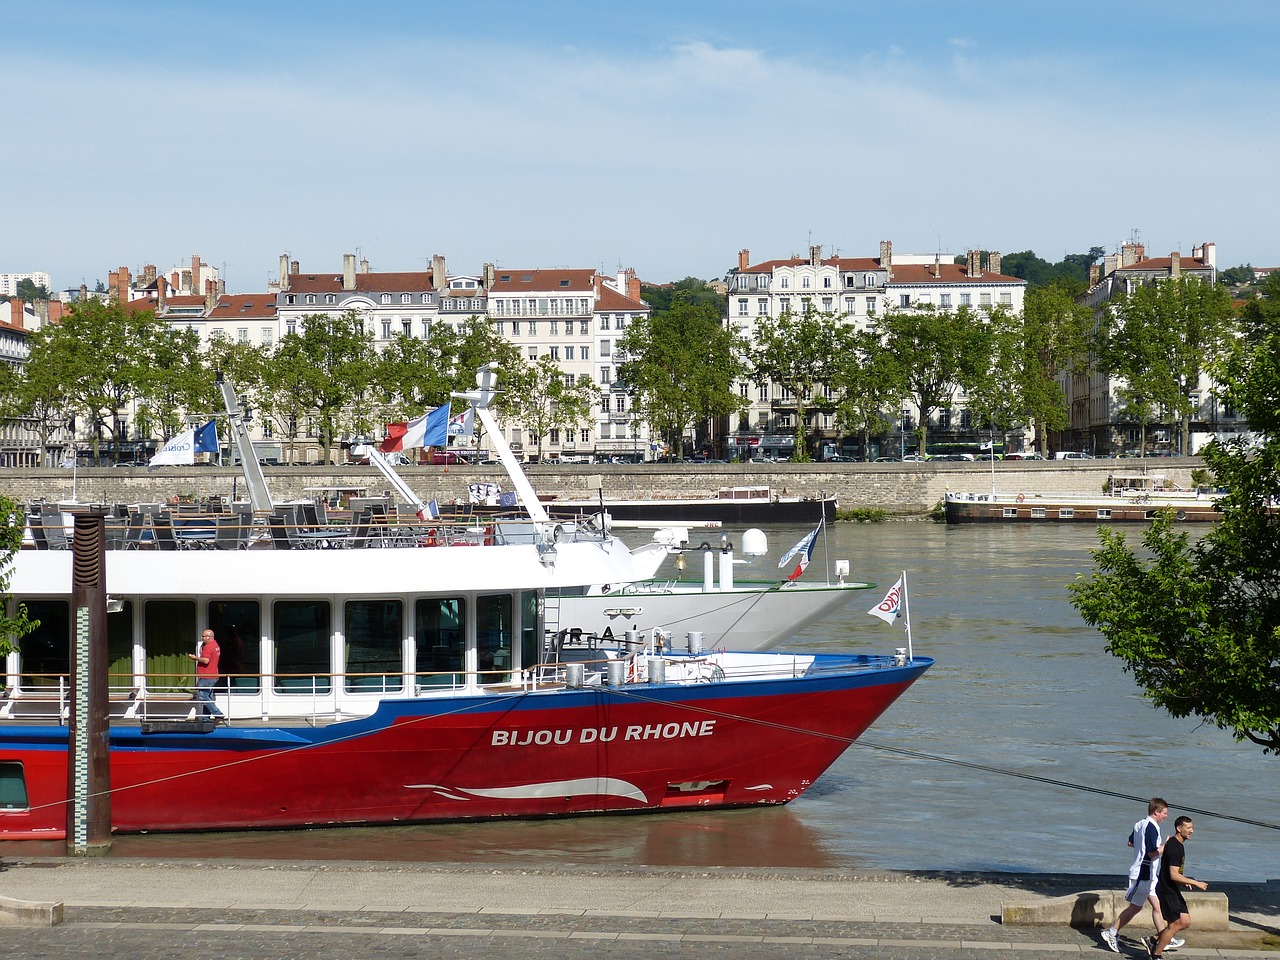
422, 676
757, 504
1130, 498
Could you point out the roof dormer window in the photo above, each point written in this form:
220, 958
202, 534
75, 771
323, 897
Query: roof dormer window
386, 298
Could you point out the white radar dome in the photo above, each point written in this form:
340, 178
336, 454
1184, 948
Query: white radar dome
754, 543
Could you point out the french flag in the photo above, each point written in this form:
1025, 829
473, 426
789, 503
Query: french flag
429, 430
802, 551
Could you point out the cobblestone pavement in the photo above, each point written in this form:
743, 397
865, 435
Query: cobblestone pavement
314, 911
179, 934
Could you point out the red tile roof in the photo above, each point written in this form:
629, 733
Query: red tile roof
611, 299
544, 281
236, 305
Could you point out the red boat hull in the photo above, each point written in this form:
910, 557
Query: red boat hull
534, 754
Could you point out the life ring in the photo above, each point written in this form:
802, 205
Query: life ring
1020, 497
1181, 514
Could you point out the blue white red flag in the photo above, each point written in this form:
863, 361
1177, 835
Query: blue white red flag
890, 608
429, 430
803, 550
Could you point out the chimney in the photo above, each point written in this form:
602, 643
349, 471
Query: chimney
438, 276
633, 284
744, 260
162, 294
488, 276
937, 265
815, 254
187, 283
284, 271
993, 261
119, 286
1210, 254
348, 271
1131, 253
210, 296
364, 264
149, 274
84, 293
886, 255
975, 264
1095, 274
196, 275
1175, 264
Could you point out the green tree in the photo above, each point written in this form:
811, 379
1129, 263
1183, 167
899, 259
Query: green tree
935, 354
28, 290
1158, 338
1198, 624
679, 368
541, 398
99, 349
689, 290
324, 368
16, 626
800, 353
174, 382
864, 385
36, 392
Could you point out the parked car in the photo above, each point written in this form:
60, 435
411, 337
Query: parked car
1032, 455
887, 460
1072, 455
839, 458
915, 458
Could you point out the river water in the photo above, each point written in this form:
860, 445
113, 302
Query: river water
1021, 685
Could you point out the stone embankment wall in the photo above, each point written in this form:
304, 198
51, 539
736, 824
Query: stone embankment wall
897, 487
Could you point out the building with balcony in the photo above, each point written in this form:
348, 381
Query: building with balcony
857, 291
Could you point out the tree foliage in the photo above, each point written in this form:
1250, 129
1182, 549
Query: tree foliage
680, 367
690, 290
799, 352
1158, 338
540, 397
1198, 624
1072, 271
864, 385
12, 627
935, 353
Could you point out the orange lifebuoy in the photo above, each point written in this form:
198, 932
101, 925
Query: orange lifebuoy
1020, 498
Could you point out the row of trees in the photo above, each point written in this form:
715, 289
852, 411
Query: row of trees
682, 364
111, 371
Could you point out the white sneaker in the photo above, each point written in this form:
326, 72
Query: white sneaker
1175, 943
1109, 938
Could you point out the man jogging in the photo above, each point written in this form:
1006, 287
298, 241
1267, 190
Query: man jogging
1172, 882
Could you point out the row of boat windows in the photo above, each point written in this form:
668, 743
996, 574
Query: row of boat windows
375, 655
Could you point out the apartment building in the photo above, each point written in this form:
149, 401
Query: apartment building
574, 316
858, 291
9, 282
1094, 410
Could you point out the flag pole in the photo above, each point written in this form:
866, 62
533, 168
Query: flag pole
906, 606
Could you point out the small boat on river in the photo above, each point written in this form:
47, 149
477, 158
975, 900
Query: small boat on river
426, 674
1130, 498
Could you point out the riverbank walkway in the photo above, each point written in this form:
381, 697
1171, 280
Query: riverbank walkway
174, 910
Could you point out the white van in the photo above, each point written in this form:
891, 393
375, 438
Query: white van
1072, 455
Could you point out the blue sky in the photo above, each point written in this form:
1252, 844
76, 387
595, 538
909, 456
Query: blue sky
661, 136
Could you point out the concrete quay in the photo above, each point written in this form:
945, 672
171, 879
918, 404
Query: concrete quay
144, 909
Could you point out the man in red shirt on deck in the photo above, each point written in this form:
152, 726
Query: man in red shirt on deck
207, 673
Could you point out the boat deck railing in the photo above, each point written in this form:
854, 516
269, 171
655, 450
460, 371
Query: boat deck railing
308, 525
321, 698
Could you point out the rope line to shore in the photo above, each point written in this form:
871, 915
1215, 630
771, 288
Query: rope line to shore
917, 755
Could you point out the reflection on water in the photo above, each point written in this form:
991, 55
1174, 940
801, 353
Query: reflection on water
1021, 684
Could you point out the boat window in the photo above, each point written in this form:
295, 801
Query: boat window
530, 628
237, 625
302, 632
1009, 512
1104, 514
440, 632
374, 631
494, 636
13, 787
46, 650
120, 648
1066, 513
1037, 513
170, 632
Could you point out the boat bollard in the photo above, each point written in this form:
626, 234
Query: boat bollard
616, 673
573, 675
657, 670
694, 639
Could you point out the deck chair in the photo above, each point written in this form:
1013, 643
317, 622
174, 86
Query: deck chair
162, 531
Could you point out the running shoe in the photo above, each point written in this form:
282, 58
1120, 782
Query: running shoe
1109, 938
1150, 944
1175, 943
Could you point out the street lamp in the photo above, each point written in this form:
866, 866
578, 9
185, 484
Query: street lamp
902, 432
